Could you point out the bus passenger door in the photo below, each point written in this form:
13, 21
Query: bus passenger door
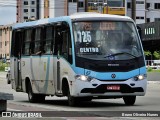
57, 48
16, 62
62, 50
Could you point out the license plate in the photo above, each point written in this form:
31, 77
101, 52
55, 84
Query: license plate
113, 87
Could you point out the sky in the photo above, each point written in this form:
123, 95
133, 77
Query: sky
7, 12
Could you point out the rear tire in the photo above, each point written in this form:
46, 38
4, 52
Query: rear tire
31, 96
129, 100
40, 98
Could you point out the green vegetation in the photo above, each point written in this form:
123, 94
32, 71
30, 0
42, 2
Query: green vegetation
147, 53
3, 65
156, 54
155, 71
149, 69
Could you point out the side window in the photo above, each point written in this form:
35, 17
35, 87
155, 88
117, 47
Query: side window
63, 46
37, 42
27, 43
58, 41
69, 48
32, 44
13, 43
48, 39
16, 43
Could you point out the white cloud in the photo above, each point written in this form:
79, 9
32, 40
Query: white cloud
7, 12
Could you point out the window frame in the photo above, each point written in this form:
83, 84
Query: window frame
33, 2
27, 41
25, 3
25, 10
156, 5
50, 40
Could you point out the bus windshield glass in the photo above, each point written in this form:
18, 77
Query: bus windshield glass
106, 40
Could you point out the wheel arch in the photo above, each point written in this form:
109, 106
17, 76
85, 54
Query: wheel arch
65, 86
27, 81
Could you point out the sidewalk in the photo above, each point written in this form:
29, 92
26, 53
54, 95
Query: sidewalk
3, 74
153, 76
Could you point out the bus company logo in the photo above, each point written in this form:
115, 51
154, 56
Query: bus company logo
113, 75
6, 114
21, 114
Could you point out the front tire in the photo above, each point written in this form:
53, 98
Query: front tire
8, 81
129, 100
71, 100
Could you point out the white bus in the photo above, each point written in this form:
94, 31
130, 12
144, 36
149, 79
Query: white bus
82, 56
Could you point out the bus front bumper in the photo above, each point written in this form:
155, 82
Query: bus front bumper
100, 88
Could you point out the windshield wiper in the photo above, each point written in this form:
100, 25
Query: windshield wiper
121, 53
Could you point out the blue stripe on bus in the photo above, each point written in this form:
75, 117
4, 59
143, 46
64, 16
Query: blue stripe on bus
41, 22
143, 70
47, 76
107, 75
100, 75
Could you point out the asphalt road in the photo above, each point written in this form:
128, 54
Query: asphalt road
101, 108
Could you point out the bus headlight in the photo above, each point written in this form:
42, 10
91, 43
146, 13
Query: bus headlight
83, 78
140, 77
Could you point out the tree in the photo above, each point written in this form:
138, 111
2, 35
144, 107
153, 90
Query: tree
156, 54
147, 53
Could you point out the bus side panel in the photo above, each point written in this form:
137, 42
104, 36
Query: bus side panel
27, 73
43, 71
40, 72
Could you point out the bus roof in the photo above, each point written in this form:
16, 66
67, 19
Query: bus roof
99, 16
75, 17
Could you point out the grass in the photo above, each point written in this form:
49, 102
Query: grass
149, 69
155, 71
3, 65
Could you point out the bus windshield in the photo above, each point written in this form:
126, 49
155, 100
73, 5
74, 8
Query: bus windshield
106, 40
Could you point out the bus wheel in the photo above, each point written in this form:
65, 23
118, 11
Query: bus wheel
31, 95
41, 98
129, 100
86, 98
71, 100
